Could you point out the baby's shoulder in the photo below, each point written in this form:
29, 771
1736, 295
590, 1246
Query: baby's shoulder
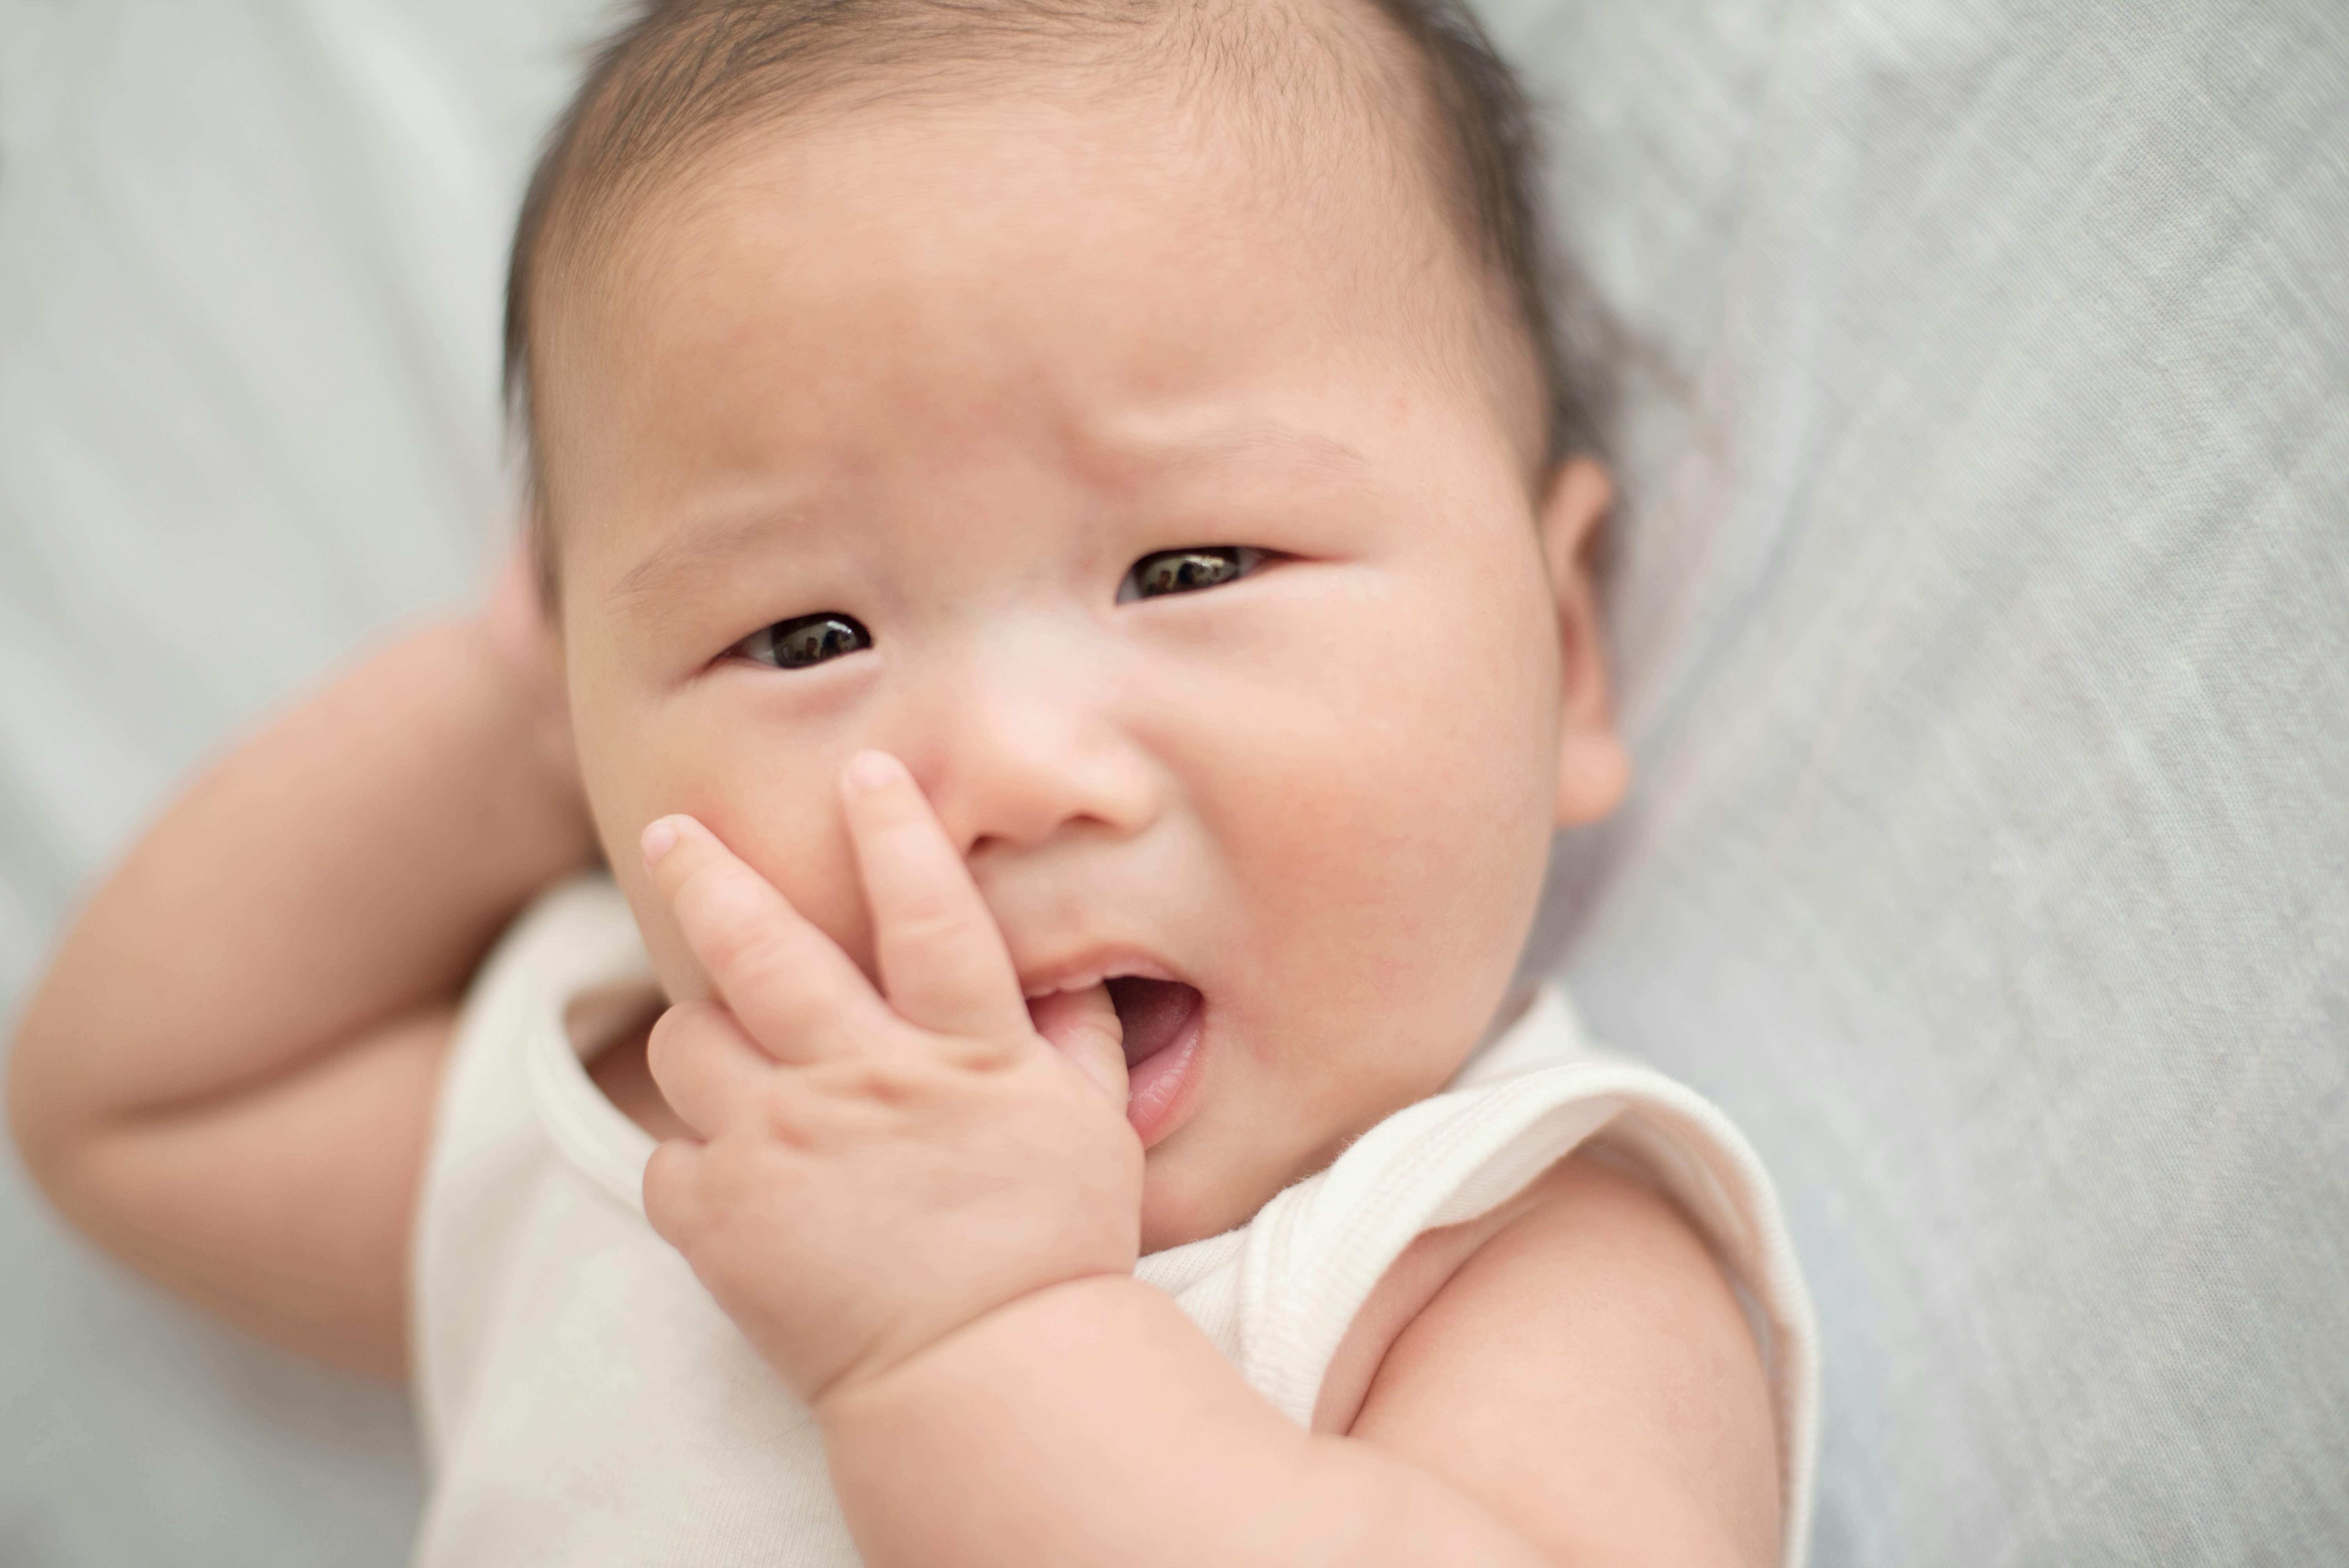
1582, 1328
1516, 1254
1580, 1249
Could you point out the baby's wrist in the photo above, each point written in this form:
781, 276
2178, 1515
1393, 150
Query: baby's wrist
1028, 1336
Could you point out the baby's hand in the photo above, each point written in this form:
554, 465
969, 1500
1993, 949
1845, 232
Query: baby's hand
871, 1174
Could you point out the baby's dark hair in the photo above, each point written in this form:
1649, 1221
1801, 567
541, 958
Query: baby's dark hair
683, 77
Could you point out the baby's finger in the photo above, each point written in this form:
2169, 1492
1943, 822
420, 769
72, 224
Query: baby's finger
942, 960
709, 1069
793, 989
1083, 1026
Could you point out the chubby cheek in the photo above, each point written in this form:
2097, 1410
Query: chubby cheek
774, 804
1389, 840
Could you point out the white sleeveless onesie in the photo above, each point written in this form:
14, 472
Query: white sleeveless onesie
586, 1403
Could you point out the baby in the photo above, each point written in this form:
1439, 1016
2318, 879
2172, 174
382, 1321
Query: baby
1069, 551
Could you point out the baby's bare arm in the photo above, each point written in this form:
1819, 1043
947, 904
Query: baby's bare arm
1583, 1390
1588, 1374
226, 1077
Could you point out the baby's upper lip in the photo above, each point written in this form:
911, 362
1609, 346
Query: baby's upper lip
1084, 968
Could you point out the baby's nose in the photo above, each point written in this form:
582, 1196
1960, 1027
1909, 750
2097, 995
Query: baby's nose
1012, 762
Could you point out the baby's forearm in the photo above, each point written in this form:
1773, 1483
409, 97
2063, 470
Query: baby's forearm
1095, 1423
226, 1075
343, 866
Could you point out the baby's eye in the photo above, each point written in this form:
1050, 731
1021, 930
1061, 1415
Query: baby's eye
796, 643
1187, 571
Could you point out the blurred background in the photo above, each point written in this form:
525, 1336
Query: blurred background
1981, 624
251, 263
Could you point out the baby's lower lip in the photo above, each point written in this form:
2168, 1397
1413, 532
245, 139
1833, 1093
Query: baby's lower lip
1154, 1086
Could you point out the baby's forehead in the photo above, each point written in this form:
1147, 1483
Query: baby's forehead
1264, 105
977, 278
991, 233
1267, 112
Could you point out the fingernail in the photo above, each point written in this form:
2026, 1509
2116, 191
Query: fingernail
658, 839
871, 770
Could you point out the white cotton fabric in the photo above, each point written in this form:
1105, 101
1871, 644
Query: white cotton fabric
585, 1402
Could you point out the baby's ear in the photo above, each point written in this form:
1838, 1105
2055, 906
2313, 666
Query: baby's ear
1593, 770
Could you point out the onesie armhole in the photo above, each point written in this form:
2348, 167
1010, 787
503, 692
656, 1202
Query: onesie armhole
1312, 1256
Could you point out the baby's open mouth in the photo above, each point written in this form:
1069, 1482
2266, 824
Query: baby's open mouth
1154, 1013
1162, 1021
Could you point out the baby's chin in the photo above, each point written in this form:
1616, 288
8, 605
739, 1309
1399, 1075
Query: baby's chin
1212, 1176
1249, 1124
1180, 1206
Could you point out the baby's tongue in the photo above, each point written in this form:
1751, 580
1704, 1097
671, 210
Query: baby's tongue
1153, 1012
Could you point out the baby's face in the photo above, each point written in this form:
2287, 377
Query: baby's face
1143, 511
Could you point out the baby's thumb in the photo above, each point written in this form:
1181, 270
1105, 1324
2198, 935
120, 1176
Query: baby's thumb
1083, 1026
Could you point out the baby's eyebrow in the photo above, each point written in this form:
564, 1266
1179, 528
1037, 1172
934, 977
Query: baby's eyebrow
1143, 454
1241, 440
696, 547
